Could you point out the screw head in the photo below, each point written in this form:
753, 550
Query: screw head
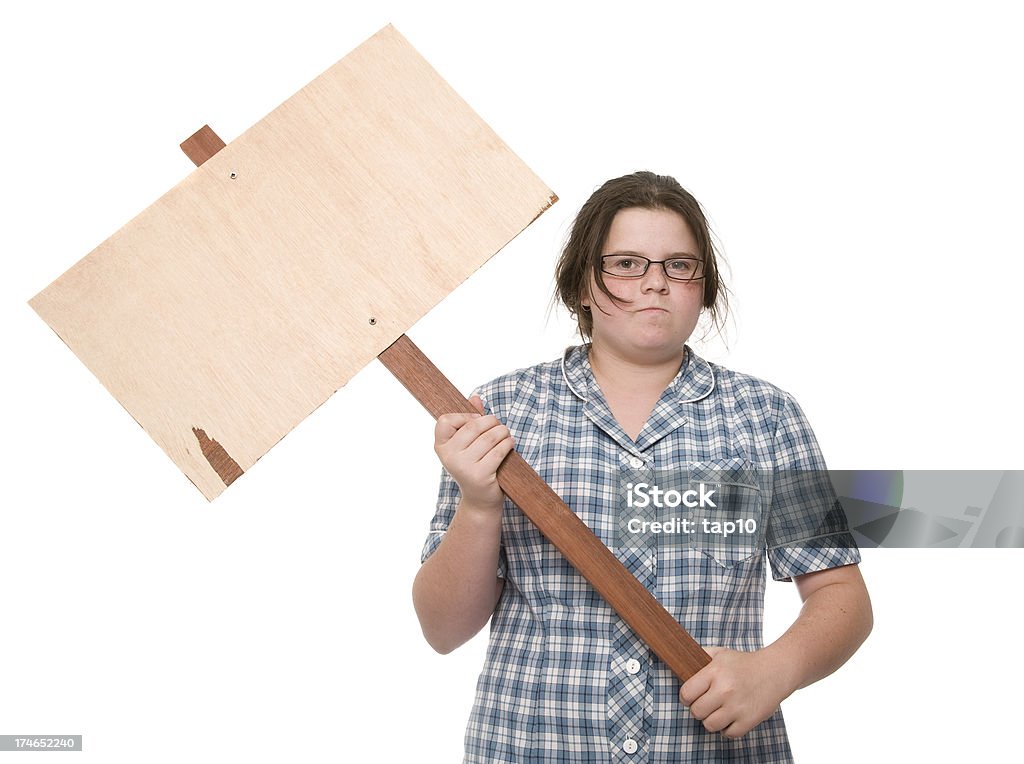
373, 321
233, 175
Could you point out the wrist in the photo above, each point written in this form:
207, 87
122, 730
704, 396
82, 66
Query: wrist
784, 667
480, 512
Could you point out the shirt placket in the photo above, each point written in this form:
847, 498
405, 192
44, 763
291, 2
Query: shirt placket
629, 697
630, 700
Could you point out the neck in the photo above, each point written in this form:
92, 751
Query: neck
615, 372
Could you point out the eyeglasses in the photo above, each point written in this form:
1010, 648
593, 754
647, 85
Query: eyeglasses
635, 266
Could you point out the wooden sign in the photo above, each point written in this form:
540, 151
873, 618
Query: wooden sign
237, 303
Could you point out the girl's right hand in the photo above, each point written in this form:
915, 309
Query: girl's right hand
471, 446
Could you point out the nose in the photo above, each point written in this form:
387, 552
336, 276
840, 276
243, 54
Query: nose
656, 278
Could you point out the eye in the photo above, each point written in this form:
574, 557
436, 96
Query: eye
684, 268
623, 265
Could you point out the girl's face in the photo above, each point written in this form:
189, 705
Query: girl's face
662, 313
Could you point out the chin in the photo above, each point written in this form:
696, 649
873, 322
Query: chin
660, 349
654, 344
661, 339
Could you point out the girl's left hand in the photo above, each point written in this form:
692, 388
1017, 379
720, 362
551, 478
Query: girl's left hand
735, 692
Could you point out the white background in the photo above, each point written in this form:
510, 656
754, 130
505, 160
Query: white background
862, 168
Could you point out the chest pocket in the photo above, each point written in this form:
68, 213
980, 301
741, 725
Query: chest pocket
727, 523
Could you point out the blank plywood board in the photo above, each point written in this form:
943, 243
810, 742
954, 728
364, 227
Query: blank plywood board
242, 299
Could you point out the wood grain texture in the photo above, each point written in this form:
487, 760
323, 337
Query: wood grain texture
241, 300
570, 535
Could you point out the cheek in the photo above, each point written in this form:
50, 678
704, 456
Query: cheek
619, 289
695, 309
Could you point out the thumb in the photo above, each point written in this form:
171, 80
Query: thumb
477, 403
714, 650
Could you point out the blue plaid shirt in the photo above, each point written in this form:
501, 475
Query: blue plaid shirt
565, 679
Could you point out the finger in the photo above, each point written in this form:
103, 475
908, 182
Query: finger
718, 720
448, 424
707, 704
477, 403
462, 453
493, 458
735, 730
695, 686
465, 439
478, 449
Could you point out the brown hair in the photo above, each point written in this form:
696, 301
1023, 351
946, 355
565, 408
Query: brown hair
581, 255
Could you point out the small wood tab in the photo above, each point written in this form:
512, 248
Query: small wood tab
202, 145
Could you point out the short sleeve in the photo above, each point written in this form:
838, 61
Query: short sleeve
807, 527
447, 501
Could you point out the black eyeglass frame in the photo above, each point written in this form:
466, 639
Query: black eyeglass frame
649, 263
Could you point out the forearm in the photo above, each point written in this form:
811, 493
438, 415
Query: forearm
456, 589
834, 621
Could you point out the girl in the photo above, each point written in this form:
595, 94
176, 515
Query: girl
565, 679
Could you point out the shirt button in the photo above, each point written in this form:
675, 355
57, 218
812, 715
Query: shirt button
632, 666
629, 746
636, 462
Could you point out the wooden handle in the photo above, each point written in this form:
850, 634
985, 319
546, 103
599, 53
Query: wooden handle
570, 535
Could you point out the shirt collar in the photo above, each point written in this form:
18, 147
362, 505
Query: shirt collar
695, 379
